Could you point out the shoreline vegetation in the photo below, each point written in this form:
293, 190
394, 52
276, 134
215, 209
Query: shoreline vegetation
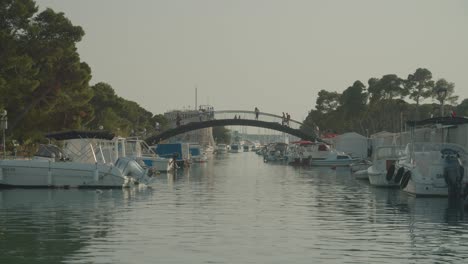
45, 87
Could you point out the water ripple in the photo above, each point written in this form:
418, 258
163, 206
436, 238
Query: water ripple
241, 211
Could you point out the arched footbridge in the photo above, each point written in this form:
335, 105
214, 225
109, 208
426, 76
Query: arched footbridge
199, 120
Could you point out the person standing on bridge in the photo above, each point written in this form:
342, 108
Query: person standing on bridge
257, 112
200, 115
178, 120
288, 117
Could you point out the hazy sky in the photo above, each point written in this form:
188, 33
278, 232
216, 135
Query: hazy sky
272, 54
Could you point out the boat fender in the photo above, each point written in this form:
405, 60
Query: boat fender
399, 174
405, 179
49, 174
462, 172
96, 174
390, 172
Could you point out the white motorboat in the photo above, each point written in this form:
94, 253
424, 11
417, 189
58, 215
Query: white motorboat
317, 154
236, 148
246, 147
141, 152
275, 152
361, 175
359, 169
51, 167
196, 154
221, 149
431, 169
209, 149
382, 172
362, 164
334, 158
300, 152
112, 149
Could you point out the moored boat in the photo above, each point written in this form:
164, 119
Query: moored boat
236, 148
433, 169
52, 167
221, 149
382, 173
196, 154
275, 152
333, 159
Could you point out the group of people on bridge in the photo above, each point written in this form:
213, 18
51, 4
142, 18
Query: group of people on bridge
209, 113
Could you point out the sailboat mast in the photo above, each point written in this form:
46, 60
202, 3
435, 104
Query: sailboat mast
196, 97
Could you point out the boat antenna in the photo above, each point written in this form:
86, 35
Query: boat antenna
196, 97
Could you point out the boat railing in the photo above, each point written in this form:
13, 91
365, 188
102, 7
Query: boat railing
15, 157
89, 153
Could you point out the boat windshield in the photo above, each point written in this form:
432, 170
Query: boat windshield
50, 151
428, 146
389, 152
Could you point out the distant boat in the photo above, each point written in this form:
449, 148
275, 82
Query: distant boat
275, 152
196, 154
209, 149
140, 151
317, 154
236, 148
178, 151
246, 147
333, 159
221, 149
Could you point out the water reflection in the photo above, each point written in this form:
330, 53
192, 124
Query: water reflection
233, 210
46, 226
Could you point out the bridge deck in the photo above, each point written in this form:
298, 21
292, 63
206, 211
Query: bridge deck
195, 125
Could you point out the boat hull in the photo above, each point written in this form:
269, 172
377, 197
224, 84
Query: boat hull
158, 164
361, 175
379, 179
421, 189
332, 162
21, 173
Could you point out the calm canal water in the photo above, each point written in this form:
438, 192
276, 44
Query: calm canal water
234, 209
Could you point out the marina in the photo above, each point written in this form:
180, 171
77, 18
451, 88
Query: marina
220, 132
234, 208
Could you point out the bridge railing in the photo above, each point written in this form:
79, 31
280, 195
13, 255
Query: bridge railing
267, 117
242, 114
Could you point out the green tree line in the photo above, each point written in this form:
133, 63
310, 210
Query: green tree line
44, 85
384, 104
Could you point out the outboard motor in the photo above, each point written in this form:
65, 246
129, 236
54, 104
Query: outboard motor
453, 173
130, 168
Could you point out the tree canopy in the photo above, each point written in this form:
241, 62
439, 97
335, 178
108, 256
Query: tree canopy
382, 105
45, 84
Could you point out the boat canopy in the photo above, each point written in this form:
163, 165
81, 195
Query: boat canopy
74, 134
50, 151
444, 120
303, 142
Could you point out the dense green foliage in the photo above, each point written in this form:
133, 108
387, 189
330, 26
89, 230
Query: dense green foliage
222, 135
44, 85
383, 105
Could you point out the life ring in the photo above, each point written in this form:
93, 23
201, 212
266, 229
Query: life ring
390, 172
405, 179
399, 174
